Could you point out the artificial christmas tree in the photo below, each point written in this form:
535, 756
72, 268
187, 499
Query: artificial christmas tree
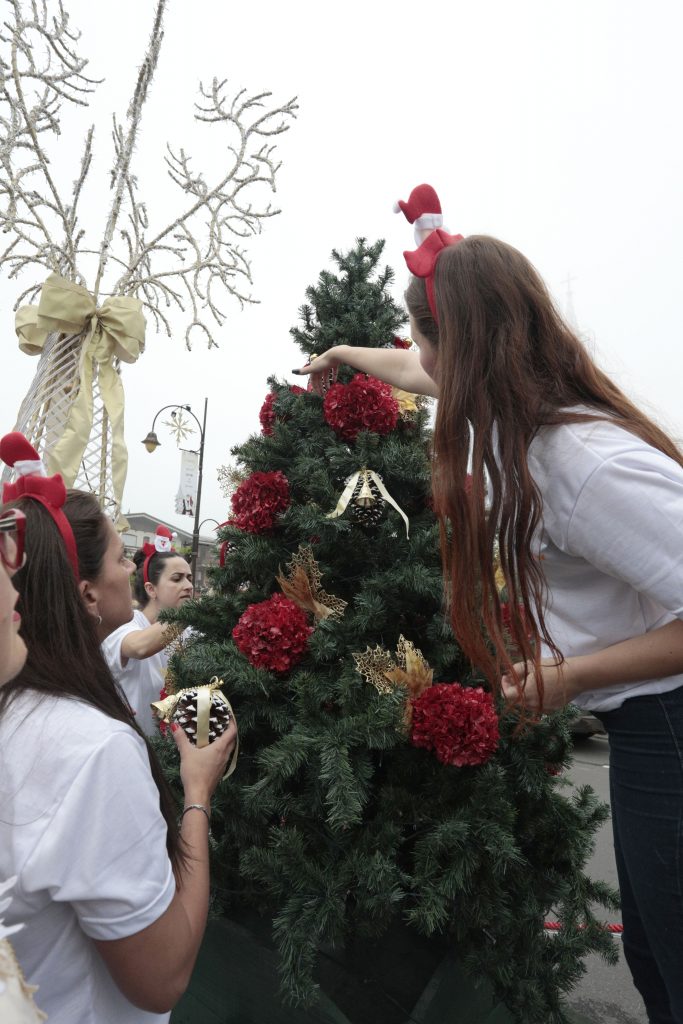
386, 812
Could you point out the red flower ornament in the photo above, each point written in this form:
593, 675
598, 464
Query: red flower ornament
273, 634
267, 415
458, 723
365, 403
259, 500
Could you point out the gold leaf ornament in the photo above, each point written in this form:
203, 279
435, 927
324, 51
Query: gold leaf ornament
373, 664
386, 673
174, 636
412, 671
301, 584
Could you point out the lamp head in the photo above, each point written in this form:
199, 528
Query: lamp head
151, 442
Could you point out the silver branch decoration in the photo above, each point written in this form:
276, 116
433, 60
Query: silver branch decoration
186, 270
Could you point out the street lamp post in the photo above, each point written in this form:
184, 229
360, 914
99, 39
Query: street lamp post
209, 520
152, 442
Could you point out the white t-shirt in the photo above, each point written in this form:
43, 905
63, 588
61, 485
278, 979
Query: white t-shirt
611, 543
80, 826
140, 679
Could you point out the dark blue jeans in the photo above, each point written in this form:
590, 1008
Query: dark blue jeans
646, 793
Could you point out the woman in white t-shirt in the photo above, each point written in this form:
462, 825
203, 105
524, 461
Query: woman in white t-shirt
585, 497
112, 896
16, 997
136, 651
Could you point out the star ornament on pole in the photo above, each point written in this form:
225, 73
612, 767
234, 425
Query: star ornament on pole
180, 427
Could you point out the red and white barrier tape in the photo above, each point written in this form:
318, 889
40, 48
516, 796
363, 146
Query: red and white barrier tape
556, 926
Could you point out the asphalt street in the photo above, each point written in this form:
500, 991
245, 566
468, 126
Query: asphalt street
605, 995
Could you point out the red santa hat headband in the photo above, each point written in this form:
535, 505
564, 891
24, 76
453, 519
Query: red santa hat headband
162, 545
423, 211
33, 482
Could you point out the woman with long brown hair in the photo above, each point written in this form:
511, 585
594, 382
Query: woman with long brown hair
113, 897
582, 495
16, 997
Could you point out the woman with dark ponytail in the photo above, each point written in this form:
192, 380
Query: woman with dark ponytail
113, 896
136, 650
582, 494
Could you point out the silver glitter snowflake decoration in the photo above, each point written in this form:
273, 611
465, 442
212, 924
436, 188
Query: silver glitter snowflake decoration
180, 426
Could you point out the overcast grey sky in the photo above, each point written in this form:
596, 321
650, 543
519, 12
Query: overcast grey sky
553, 126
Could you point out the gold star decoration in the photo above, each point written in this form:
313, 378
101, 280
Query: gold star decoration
301, 584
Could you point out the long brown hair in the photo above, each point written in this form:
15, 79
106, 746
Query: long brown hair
64, 656
508, 364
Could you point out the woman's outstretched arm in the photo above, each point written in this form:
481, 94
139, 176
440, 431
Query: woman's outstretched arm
398, 367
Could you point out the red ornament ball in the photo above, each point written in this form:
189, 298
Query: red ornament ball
259, 500
273, 634
365, 403
458, 723
401, 342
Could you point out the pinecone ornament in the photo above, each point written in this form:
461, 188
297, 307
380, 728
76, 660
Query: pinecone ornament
203, 712
365, 498
367, 506
185, 715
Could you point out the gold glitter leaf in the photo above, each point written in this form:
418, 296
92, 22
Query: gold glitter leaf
301, 584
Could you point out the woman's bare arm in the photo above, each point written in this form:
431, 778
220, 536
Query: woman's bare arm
143, 643
654, 655
152, 968
398, 367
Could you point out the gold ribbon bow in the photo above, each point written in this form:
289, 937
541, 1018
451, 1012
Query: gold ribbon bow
407, 401
165, 710
366, 475
114, 331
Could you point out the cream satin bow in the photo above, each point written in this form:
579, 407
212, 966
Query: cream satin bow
365, 476
114, 331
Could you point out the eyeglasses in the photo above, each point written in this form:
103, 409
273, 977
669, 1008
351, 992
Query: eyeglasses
12, 529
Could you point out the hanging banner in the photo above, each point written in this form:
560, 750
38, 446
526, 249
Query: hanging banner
187, 490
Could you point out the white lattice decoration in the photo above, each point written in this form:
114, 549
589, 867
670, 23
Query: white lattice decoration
188, 267
45, 410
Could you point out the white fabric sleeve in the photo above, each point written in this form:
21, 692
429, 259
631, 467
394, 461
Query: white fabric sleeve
111, 648
628, 522
104, 850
